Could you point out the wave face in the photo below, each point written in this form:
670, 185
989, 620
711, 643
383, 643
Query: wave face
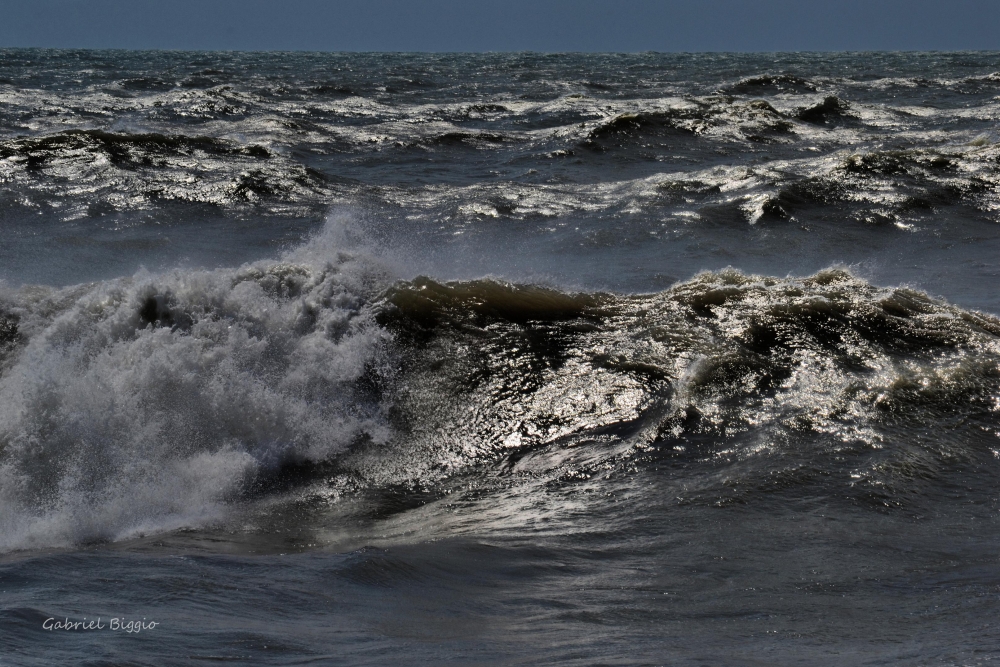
823, 386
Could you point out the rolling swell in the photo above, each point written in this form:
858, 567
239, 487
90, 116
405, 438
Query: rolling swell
130, 146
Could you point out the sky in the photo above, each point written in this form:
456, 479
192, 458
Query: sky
510, 25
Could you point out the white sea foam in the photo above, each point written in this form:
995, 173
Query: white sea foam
156, 401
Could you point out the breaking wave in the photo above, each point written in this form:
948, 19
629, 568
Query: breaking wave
162, 401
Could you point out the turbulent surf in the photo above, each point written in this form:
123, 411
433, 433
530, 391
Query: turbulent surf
634, 358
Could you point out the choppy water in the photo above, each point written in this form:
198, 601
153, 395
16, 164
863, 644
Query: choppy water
519, 359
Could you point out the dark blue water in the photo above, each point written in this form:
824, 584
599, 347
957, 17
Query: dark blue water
499, 359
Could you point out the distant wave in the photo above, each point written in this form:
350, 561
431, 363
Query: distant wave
772, 83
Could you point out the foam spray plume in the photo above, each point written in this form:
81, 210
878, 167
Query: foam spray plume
151, 402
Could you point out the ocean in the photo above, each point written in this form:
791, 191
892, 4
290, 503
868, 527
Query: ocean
499, 359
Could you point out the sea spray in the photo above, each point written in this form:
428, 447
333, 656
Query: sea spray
151, 402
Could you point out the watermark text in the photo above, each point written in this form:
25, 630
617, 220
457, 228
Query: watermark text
114, 624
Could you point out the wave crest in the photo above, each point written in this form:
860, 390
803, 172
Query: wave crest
144, 404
